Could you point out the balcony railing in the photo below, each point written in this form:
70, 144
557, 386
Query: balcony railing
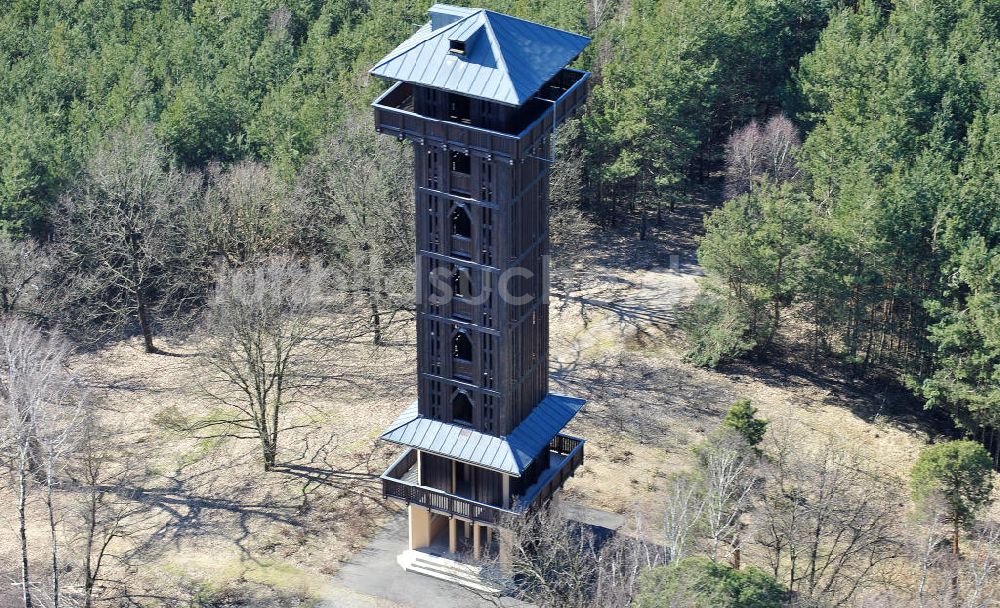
400, 482
572, 448
558, 100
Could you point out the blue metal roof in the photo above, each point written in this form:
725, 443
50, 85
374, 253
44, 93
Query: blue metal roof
511, 454
506, 59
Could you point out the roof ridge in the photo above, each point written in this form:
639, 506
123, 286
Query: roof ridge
498, 49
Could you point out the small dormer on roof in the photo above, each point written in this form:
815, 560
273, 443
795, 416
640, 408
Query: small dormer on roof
463, 42
481, 54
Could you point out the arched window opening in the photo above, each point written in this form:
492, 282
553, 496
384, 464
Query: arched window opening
461, 223
461, 347
461, 408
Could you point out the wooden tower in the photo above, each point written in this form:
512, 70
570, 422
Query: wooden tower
480, 94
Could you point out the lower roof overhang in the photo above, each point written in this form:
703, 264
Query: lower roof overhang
510, 455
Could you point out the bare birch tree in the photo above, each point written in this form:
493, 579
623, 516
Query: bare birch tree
60, 429
726, 465
756, 151
40, 412
682, 514
555, 562
980, 569
926, 550
263, 336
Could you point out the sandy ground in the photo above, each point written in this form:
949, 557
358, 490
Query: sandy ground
212, 523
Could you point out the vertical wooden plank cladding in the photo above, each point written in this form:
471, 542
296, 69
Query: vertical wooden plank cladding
518, 234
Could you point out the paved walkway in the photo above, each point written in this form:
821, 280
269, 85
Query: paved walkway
373, 579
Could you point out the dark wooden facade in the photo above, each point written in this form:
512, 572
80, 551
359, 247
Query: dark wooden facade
482, 206
482, 238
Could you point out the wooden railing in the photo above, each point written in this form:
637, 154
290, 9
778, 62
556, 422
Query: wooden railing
564, 444
443, 502
393, 486
406, 461
394, 115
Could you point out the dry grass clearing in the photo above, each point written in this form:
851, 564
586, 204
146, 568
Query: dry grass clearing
212, 524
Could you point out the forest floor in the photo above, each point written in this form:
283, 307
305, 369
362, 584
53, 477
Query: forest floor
209, 523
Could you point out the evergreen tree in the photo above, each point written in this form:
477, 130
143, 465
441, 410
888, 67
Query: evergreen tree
960, 473
742, 417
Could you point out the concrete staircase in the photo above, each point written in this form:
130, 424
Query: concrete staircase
445, 569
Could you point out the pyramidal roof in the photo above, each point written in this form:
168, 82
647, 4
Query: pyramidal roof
481, 54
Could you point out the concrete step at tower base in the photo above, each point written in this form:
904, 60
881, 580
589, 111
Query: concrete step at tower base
445, 569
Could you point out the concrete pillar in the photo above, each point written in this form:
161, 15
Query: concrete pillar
452, 535
506, 550
420, 527
506, 491
489, 536
476, 549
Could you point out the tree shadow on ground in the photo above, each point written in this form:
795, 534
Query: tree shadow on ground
872, 399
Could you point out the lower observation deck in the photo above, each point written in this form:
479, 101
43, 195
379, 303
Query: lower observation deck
401, 482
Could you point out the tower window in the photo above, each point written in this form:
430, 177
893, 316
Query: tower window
461, 163
461, 347
461, 223
457, 46
461, 408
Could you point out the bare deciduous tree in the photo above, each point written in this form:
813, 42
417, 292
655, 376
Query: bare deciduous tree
926, 548
263, 336
355, 205
622, 560
244, 213
943, 579
757, 151
554, 562
40, 413
22, 264
980, 570
726, 465
117, 236
105, 512
682, 514
827, 525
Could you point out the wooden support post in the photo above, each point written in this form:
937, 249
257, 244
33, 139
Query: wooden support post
468, 530
452, 535
489, 537
476, 549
